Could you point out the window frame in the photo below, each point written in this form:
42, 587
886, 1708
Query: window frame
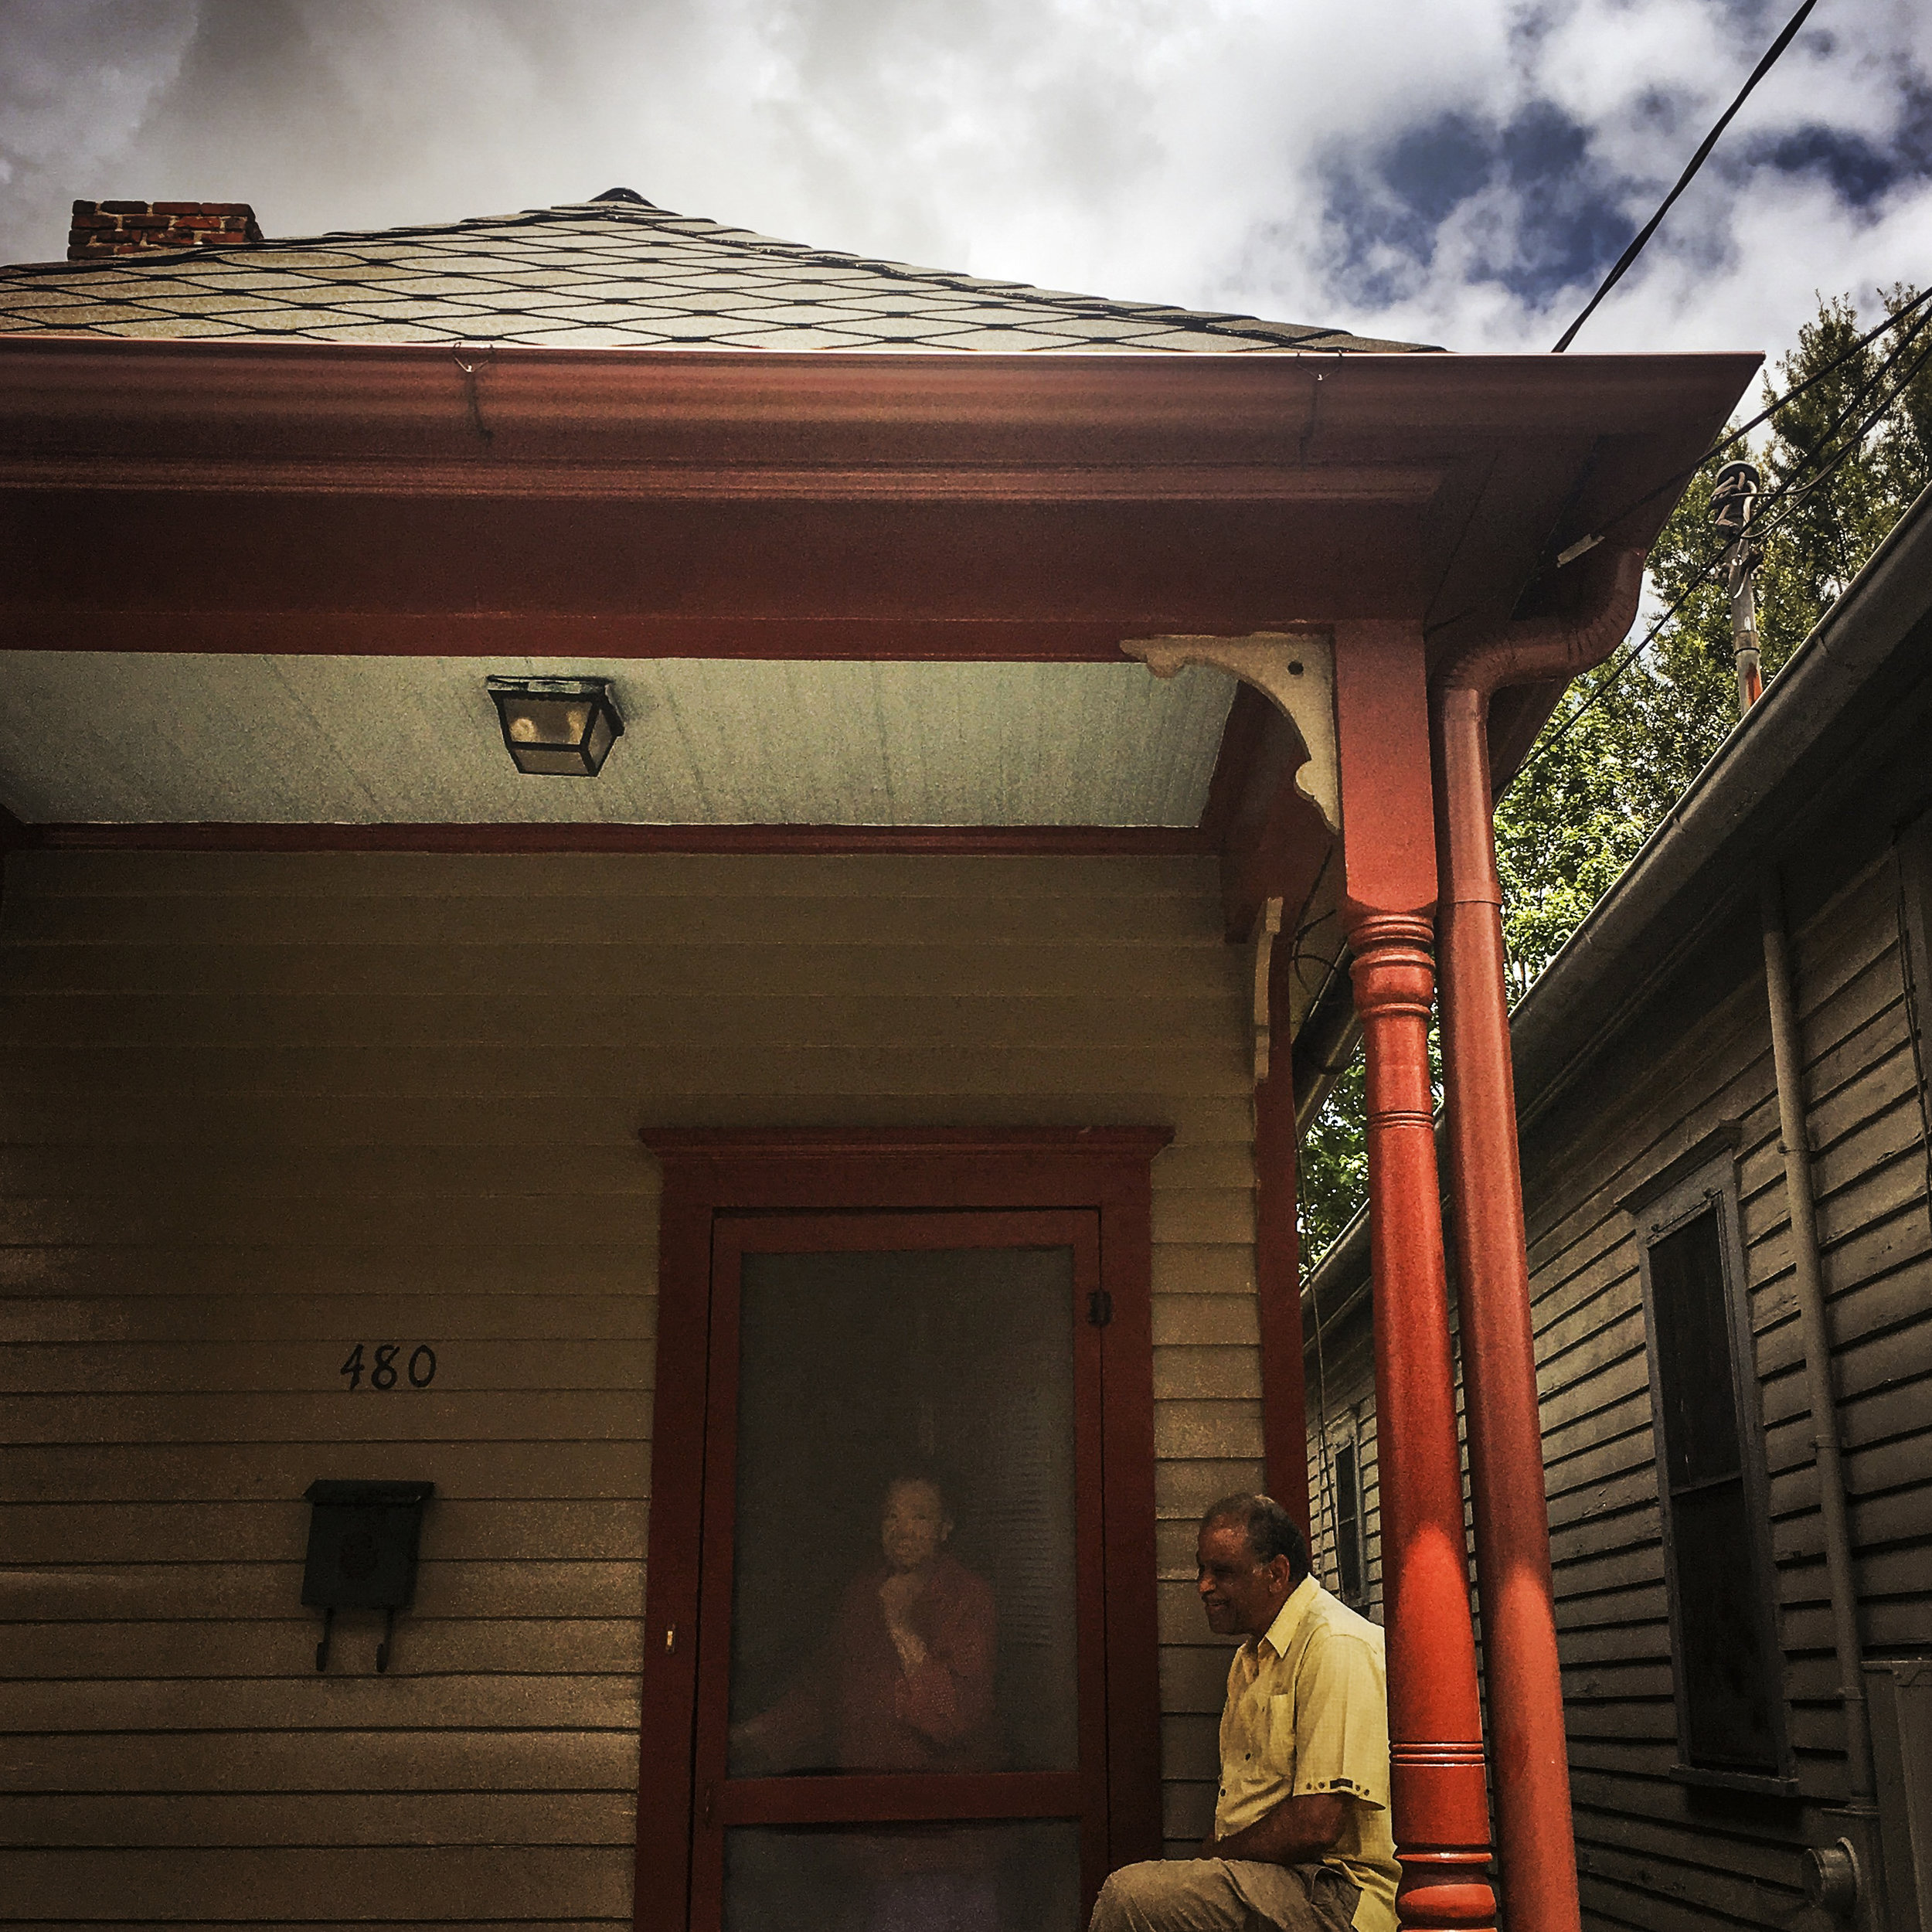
1705, 1180
711, 1176
1348, 1437
1912, 878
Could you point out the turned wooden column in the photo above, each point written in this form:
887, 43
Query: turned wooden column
1441, 1818
1521, 1668
1435, 1731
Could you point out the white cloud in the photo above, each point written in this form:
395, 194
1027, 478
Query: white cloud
1292, 159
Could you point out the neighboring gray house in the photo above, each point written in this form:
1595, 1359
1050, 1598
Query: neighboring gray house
1704, 1634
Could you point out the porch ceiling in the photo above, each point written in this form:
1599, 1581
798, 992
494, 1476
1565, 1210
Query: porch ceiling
145, 737
833, 588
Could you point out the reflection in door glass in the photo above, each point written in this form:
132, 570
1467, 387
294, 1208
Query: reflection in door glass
904, 1566
995, 1877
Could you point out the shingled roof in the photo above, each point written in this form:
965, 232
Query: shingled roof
617, 272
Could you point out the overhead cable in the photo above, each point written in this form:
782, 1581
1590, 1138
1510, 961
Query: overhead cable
1636, 248
1587, 544
1763, 521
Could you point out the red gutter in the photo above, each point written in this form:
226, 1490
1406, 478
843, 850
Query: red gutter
1535, 1838
437, 500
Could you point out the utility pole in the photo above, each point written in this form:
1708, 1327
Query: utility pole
1734, 500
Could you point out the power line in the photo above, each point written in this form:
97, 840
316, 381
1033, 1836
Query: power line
1855, 441
1697, 160
1795, 486
1790, 487
1815, 456
1796, 389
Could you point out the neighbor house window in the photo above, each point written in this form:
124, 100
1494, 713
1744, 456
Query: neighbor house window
1345, 1475
1711, 1483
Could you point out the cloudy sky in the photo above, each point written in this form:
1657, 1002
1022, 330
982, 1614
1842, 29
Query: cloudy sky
1452, 171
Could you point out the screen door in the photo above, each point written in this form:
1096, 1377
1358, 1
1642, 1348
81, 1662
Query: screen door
901, 1683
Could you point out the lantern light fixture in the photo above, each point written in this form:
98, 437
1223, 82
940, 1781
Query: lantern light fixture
557, 727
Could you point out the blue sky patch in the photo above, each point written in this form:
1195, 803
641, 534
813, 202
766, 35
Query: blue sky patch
1859, 172
1570, 220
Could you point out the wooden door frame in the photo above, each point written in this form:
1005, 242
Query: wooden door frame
711, 1172
858, 1799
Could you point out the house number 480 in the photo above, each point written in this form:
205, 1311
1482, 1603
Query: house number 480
379, 1365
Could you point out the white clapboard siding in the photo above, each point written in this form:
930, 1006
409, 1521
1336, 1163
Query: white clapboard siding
257, 1108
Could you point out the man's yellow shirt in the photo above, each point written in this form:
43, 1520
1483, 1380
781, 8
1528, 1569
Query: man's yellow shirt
1308, 1711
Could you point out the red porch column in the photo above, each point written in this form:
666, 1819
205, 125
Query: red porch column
1527, 1742
1277, 1265
1441, 1812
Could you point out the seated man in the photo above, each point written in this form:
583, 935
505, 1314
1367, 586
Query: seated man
1300, 1839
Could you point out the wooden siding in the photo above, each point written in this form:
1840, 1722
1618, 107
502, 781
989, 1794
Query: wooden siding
258, 1108
1655, 1855
1340, 1373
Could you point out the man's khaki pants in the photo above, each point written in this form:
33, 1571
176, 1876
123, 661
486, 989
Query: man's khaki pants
1224, 1895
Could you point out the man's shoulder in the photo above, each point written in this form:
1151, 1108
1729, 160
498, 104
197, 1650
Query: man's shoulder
1330, 1621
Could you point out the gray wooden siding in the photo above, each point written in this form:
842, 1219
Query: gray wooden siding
1652, 1853
1655, 1855
1340, 1378
257, 1108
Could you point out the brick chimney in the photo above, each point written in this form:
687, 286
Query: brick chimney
104, 228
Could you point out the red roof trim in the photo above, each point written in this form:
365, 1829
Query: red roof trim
933, 840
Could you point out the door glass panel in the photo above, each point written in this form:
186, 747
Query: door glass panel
903, 1578
991, 1877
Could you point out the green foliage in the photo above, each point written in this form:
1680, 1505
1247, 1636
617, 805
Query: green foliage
1841, 464
1332, 1173
1332, 1176
1835, 481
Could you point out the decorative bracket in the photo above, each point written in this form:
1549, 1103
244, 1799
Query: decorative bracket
1295, 671
1267, 928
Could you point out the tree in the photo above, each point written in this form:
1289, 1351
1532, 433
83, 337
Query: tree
1841, 464
1332, 1176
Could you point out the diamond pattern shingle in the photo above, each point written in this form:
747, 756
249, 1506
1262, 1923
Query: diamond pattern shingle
609, 273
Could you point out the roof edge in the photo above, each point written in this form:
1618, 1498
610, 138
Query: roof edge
625, 208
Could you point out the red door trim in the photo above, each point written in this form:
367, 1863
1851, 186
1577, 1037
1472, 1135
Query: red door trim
708, 1172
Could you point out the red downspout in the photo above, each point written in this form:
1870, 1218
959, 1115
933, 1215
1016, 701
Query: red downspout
1535, 1839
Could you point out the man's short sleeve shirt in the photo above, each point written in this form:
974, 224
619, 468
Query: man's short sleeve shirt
1308, 1712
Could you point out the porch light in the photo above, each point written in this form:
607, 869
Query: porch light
557, 727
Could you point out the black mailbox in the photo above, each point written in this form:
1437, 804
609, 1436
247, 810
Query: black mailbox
362, 1553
